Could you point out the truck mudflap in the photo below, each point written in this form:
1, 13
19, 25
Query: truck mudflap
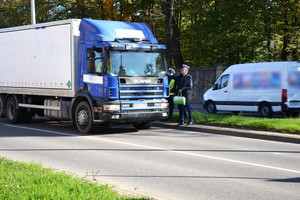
130, 117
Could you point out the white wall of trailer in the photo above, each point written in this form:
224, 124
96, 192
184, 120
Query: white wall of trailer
39, 59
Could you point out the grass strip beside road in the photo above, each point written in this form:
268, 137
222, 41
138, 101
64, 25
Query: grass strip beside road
283, 125
31, 181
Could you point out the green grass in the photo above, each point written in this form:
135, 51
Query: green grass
20, 181
283, 125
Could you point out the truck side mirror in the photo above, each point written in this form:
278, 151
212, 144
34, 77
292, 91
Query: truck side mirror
91, 65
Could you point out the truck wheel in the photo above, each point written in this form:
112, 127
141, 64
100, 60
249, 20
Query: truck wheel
2, 110
211, 107
143, 125
13, 114
83, 118
265, 110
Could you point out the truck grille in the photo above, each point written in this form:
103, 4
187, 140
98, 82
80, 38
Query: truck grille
134, 91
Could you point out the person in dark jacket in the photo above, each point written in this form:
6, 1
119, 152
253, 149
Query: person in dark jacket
184, 85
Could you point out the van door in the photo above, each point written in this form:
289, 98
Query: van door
293, 87
221, 92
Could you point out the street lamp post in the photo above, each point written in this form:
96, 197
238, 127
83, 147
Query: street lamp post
32, 12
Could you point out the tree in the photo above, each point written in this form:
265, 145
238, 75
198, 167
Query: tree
14, 13
200, 33
173, 44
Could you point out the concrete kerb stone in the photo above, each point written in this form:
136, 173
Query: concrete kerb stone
256, 134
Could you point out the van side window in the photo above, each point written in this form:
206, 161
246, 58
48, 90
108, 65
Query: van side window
222, 82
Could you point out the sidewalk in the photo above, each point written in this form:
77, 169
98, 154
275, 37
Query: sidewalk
239, 132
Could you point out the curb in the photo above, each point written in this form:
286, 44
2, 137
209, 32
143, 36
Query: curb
255, 134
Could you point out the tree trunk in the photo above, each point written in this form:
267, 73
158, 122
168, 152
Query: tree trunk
173, 45
286, 39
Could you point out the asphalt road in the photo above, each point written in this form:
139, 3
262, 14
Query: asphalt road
161, 163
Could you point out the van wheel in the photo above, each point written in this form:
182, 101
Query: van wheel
265, 110
83, 118
211, 107
293, 114
143, 125
2, 110
236, 112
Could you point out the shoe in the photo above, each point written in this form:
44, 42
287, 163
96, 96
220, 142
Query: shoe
189, 123
180, 123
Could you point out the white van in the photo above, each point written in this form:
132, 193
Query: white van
256, 87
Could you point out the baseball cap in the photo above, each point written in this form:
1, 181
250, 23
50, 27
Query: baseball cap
185, 66
172, 70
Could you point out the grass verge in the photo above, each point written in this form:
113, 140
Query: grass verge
283, 125
30, 181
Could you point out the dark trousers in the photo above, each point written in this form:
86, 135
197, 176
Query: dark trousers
182, 110
171, 106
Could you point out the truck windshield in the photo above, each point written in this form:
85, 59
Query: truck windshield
135, 63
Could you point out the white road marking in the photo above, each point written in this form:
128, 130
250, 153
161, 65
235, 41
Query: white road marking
158, 148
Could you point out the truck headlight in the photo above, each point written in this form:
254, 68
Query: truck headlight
113, 107
164, 105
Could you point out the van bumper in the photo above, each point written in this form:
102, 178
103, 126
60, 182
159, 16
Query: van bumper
287, 109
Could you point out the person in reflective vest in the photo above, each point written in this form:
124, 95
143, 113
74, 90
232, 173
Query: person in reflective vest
171, 72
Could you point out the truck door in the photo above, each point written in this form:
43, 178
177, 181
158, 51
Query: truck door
93, 77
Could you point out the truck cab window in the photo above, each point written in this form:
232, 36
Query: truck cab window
222, 82
94, 61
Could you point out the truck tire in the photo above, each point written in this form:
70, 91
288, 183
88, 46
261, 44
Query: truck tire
13, 114
143, 125
83, 118
265, 110
2, 110
211, 107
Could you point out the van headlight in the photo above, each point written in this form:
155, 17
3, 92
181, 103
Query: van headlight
112, 107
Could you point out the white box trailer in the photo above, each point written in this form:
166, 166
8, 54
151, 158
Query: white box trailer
39, 59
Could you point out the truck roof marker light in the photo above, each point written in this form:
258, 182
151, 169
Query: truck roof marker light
128, 47
137, 40
154, 48
284, 95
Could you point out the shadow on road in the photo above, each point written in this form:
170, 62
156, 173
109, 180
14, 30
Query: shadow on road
48, 128
287, 180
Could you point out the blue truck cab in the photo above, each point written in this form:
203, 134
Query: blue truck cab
122, 73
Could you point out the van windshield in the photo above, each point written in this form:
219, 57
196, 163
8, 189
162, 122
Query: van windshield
135, 63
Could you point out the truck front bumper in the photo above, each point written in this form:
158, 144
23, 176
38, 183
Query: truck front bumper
130, 117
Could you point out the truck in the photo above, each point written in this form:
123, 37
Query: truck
266, 88
84, 70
